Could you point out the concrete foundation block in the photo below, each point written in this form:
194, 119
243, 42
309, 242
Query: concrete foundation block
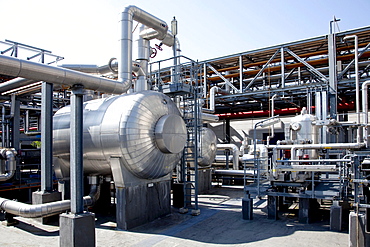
272, 207
77, 230
247, 207
336, 213
40, 197
204, 180
307, 209
140, 204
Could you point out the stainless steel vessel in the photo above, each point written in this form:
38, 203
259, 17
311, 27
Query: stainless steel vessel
144, 129
208, 147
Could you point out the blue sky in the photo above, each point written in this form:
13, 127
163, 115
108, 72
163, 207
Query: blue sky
86, 31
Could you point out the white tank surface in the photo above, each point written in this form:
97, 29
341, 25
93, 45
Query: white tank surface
144, 129
208, 147
302, 128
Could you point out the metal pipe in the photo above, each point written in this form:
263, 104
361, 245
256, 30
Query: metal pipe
319, 146
10, 164
143, 56
365, 109
241, 74
41, 72
3, 126
212, 94
15, 83
282, 67
127, 17
357, 84
235, 151
46, 209
111, 67
272, 115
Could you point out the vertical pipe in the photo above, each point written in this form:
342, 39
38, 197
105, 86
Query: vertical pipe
365, 109
282, 67
143, 57
76, 150
272, 135
46, 137
125, 60
357, 85
241, 74
3, 127
204, 80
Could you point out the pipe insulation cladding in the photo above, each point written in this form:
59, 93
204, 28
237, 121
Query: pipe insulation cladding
145, 130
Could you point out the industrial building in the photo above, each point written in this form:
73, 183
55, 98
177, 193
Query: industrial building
135, 138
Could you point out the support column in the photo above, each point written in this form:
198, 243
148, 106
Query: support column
77, 228
46, 194
247, 206
272, 207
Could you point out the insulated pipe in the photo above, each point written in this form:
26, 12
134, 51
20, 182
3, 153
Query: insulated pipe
212, 94
319, 146
244, 145
235, 151
111, 67
10, 164
15, 83
46, 209
272, 115
127, 17
41, 72
357, 84
365, 109
143, 57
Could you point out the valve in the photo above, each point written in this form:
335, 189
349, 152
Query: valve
153, 53
159, 47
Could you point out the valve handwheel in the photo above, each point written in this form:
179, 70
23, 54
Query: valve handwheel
159, 47
154, 53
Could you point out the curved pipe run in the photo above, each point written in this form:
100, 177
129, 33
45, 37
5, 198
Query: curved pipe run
235, 151
127, 17
46, 209
9, 154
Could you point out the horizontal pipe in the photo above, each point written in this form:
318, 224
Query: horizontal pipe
12, 66
46, 209
111, 67
234, 172
315, 161
307, 168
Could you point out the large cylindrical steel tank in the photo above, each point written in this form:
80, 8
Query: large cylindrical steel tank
208, 147
144, 129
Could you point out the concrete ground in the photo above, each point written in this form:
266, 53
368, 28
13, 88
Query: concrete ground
220, 223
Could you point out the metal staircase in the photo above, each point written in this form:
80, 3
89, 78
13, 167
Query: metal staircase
182, 82
191, 153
